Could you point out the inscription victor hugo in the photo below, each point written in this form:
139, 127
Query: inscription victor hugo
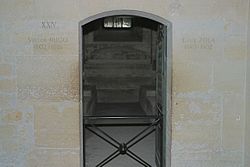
49, 42
202, 43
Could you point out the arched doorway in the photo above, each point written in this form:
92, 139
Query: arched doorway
108, 49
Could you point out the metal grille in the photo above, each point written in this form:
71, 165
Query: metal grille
91, 124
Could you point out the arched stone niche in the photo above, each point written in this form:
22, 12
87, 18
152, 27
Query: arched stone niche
151, 16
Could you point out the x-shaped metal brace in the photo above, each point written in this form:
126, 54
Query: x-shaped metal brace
123, 148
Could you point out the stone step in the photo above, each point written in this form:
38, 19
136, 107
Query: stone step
122, 82
119, 73
117, 95
118, 69
118, 53
118, 65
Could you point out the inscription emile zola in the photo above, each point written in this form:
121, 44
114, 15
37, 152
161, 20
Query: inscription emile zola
50, 41
203, 43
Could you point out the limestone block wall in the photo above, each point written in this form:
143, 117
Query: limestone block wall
209, 66
39, 80
247, 129
39, 84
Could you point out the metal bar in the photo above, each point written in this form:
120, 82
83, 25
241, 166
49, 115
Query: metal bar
138, 140
139, 160
102, 137
120, 117
117, 124
104, 133
83, 143
108, 158
114, 156
159, 109
138, 157
155, 122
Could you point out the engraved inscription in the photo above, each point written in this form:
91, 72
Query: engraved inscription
52, 42
203, 43
48, 24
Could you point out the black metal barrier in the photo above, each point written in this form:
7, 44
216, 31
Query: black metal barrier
91, 123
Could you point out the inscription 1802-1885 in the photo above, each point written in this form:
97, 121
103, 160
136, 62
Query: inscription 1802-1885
50, 38
47, 43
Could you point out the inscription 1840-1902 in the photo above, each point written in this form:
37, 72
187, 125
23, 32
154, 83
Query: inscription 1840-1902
203, 43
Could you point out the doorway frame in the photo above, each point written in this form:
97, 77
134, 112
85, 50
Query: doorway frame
167, 118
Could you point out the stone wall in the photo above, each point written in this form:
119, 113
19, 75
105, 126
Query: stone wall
39, 80
208, 83
247, 118
39, 84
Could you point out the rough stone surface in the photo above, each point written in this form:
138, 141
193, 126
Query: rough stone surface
39, 80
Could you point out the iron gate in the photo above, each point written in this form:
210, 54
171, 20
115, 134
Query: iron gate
91, 124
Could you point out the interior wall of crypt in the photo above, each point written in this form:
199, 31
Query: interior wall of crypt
39, 80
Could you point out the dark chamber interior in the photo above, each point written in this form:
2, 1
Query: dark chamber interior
119, 68
119, 80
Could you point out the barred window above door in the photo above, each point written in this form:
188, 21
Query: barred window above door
117, 22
